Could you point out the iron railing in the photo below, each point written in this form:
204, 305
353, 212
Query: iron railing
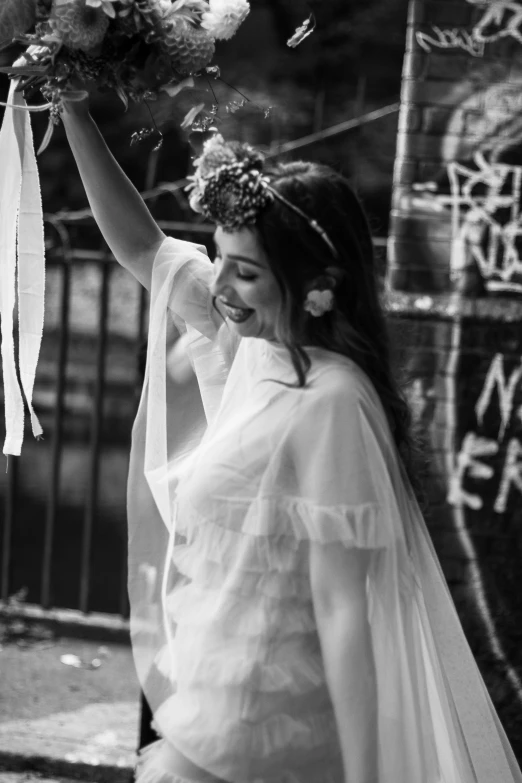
79, 395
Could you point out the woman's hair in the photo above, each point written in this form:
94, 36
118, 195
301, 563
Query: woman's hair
297, 255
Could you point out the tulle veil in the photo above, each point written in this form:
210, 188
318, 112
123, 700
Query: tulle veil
432, 659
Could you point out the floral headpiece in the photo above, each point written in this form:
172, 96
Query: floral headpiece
228, 186
230, 189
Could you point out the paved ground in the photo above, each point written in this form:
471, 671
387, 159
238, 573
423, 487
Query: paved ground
30, 777
66, 721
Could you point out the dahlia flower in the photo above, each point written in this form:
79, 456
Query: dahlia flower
224, 17
78, 25
189, 48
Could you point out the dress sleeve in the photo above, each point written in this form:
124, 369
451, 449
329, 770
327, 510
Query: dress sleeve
341, 448
190, 274
182, 277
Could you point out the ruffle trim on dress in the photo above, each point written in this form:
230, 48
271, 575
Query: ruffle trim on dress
235, 574
193, 605
359, 526
323, 775
231, 668
150, 769
280, 525
226, 535
279, 732
217, 737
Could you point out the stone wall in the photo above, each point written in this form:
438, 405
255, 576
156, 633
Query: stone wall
455, 279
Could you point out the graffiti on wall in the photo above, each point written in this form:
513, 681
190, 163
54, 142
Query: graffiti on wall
455, 264
453, 38
501, 19
471, 460
468, 139
486, 220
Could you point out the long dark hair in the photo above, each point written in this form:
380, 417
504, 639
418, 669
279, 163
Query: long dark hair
297, 255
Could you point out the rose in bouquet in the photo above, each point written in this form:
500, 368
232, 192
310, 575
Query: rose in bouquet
138, 48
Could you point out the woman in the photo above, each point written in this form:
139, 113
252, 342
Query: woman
290, 620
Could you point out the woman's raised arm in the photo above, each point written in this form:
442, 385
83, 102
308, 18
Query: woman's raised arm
123, 217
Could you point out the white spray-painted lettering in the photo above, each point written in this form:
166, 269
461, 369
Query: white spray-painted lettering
496, 380
486, 221
453, 38
501, 19
475, 448
511, 475
468, 462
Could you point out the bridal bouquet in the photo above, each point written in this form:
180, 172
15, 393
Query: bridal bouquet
138, 48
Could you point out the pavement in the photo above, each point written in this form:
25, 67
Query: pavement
31, 777
69, 708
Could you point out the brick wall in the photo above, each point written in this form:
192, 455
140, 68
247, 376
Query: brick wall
455, 277
459, 151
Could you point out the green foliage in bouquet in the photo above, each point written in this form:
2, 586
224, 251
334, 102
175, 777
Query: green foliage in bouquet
138, 48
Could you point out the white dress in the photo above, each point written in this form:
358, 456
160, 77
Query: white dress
248, 474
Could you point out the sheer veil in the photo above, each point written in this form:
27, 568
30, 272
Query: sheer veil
429, 684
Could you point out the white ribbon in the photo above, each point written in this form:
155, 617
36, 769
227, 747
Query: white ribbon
22, 244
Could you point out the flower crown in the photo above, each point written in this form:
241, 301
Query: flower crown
229, 187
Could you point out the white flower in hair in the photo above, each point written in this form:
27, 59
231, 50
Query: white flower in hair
318, 303
224, 17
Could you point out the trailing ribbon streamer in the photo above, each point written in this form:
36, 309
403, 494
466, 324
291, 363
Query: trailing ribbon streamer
22, 245
42, 107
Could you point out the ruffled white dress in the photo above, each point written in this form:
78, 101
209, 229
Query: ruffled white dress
247, 474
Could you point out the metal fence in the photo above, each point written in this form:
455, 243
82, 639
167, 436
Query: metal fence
86, 392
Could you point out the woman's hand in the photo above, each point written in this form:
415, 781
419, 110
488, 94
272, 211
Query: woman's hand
76, 98
76, 103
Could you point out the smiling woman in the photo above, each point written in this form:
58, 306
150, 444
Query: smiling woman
245, 286
290, 622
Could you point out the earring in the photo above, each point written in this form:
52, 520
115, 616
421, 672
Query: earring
318, 303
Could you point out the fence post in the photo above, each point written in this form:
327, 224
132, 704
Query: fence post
96, 434
59, 412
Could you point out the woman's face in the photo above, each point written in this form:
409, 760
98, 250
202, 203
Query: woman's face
247, 292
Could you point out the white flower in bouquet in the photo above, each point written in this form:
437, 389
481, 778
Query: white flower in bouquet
77, 24
189, 10
106, 6
164, 6
224, 17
